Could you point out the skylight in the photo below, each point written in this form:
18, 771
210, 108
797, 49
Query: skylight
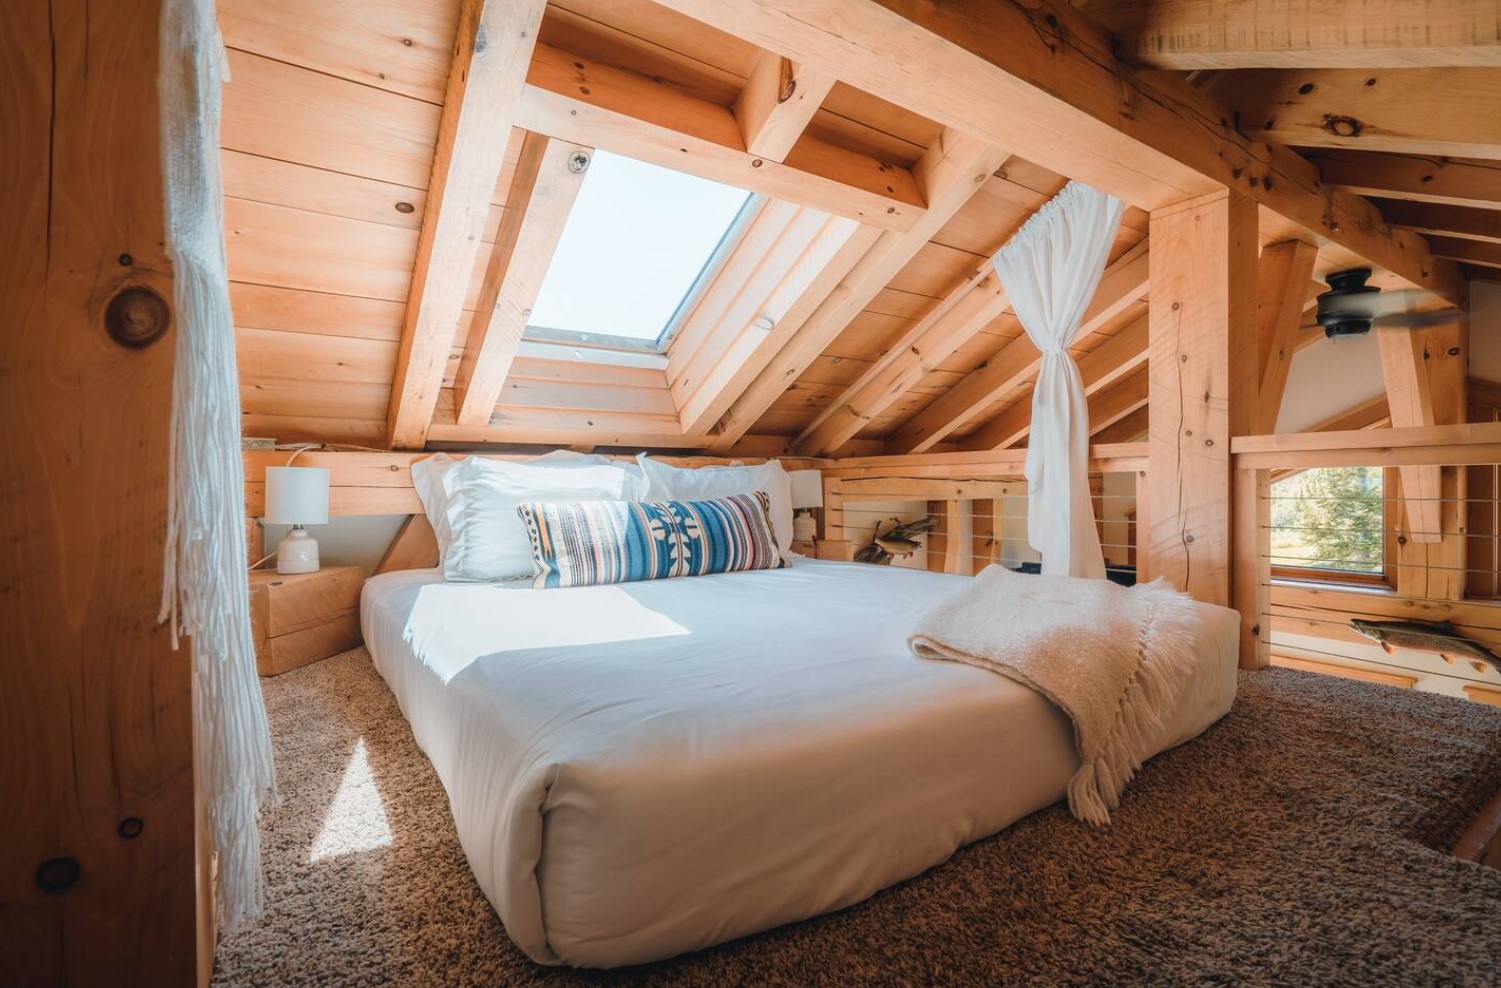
637, 244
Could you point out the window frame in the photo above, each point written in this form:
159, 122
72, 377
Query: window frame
1384, 580
728, 241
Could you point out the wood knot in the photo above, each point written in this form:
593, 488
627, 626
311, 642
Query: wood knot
137, 317
1342, 126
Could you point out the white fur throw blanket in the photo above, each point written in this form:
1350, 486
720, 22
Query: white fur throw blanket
1113, 659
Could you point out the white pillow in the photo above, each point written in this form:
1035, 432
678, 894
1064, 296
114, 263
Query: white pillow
489, 538
432, 479
668, 483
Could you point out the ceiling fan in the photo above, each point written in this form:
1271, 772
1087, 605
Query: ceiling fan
1351, 307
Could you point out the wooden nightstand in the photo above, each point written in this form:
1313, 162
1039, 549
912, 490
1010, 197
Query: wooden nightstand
808, 549
303, 617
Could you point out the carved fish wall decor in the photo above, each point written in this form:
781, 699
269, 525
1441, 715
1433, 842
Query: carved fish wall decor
1438, 637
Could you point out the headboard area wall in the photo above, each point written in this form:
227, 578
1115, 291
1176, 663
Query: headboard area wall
380, 483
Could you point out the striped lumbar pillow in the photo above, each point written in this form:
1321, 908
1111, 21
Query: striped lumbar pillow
591, 543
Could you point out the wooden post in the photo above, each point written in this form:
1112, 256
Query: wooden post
945, 551
98, 885
985, 529
1203, 383
1253, 572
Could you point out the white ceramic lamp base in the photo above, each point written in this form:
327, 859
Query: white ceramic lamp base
297, 553
804, 527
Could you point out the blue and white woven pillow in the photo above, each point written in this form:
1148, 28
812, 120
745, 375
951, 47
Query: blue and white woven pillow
593, 543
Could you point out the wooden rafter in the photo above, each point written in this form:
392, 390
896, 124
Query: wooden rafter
763, 315
1372, 110
951, 172
1098, 369
1110, 405
950, 324
548, 178
779, 99
1054, 89
1123, 283
590, 102
493, 46
1196, 34
1282, 278
1469, 251
1421, 178
1129, 428
1459, 221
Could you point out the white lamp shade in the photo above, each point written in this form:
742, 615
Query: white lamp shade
807, 488
296, 496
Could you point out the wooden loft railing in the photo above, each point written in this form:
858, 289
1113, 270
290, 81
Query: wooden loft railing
1440, 543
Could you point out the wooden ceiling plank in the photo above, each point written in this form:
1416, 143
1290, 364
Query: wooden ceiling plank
590, 102
1456, 221
1421, 178
1055, 92
951, 172
492, 49
779, 100
1123, 283
1282, 275
541, 197
1369, 109
1194, 34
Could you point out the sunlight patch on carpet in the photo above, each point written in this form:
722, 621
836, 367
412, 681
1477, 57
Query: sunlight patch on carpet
356, 820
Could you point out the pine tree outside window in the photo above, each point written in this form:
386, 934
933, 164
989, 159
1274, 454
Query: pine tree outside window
1329, 524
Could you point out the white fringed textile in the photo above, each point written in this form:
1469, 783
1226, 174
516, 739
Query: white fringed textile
1050, 271
205, 592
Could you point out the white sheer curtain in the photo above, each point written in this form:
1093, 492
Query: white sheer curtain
1050, 271
206, 592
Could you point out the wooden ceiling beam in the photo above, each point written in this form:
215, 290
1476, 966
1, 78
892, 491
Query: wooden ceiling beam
951, 172
547, 182
1468, 251
1421, 178
779, 99
590, 102
1196, 34
1416, 111
1458, 221
1100, 368
1123, 283
1054, 91
1282, 276
491, 51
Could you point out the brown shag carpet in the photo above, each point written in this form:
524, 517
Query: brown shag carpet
1291, 844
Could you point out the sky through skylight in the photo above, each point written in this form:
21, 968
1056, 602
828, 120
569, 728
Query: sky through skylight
632, 248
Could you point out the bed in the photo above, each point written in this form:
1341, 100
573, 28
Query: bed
641, 770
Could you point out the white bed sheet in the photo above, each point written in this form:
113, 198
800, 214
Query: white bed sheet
641, 770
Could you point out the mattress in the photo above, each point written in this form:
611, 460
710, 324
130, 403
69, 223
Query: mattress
642, 770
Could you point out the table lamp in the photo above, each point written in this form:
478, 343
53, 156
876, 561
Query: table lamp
297, 496
807, 492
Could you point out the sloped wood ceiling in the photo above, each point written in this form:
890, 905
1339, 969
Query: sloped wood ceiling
893, 336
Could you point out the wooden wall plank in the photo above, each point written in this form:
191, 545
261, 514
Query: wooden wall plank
96, 722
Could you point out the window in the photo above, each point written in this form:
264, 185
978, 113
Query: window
1330, 524
639, 243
